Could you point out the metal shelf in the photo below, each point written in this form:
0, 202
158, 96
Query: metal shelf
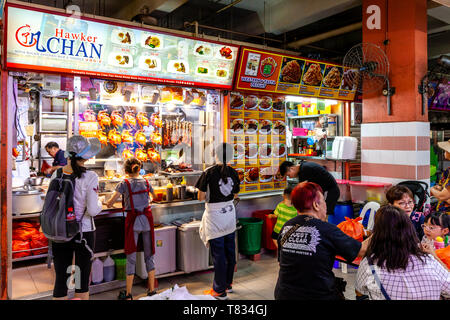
313, 116
308, 157
306, 137
30, 257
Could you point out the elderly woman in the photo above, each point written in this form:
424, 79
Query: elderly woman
395, 267
307, 247
441, 191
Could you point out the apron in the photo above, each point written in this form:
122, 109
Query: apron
130, 244
219, 219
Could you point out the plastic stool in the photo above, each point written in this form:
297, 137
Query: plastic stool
369, 208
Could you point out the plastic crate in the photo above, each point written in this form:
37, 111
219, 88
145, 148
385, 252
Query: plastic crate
368, 191
344, 189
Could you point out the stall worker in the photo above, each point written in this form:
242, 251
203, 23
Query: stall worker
57, 154
313, 172
441, 191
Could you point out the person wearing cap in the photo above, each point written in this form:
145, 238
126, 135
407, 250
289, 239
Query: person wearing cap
441, 191
86, 207
218, 186
59, 160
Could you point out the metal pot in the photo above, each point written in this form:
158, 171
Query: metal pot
27, 200
35, 181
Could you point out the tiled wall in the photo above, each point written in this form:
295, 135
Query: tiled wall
395, 151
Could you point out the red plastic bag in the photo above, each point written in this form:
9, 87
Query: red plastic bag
18, 245
23, 231
444, 255
38, 241
352, 228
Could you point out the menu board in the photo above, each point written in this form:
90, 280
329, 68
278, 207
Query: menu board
39, 40
257, 130
271, 72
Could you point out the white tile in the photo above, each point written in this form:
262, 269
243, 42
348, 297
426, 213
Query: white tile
387, 129
370, 130
423, 158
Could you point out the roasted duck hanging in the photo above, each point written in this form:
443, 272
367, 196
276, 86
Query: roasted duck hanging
114, 137
141, 155
156, 120
130, 120
156, 138
142, 119
127, 137
116, 119
140, 138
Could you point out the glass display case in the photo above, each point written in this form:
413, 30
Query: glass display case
172, 130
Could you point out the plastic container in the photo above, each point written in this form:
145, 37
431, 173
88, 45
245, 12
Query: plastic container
267, 228
97, 271
165, 253
250, 235
109, 271
344, 189
120, 262
192, 255
340, 212
368, 191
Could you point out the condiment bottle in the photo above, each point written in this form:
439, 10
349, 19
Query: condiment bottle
183, 189
439, 243
169, 192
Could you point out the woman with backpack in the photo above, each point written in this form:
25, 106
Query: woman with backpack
218, 186
86, 205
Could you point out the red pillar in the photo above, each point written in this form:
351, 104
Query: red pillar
396, 147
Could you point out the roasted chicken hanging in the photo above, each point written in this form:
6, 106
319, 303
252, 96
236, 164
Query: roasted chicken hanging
153, 155
104, 119
142, 119
116, 119
114, 137
101, 135
156, 138
126, 154
156, 120
127, 137
140, 138
141, 155
130, 119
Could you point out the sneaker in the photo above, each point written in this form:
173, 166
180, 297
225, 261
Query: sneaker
229, 289
219, 296
123, 295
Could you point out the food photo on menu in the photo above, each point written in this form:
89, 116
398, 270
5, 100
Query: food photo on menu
237, 126
279, 150
313, 74
251, 102
278, 105
265, 126
350, 79
203, 50
265, 150
121, 60
122, 37
151, 41
251, 151
279, 127
222, 73
332, 77
239, 151
291, 70
251, 175
251, 126
265, 174
251, 67
178, 66
149, 63
241, 174
265, 103
236, 101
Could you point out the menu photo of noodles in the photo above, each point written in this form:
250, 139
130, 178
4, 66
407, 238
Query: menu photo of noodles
332, 78
313, 73
291, 70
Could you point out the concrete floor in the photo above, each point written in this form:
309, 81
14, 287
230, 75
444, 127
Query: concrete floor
253, 280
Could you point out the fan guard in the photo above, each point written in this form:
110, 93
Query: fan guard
366, 68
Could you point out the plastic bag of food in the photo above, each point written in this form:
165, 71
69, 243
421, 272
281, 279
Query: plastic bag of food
38, 241
18, 245
352, 228
23, 231
444, 255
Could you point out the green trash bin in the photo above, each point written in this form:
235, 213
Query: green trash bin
120, 260
249, 236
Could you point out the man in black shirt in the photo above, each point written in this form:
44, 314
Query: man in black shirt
313, 172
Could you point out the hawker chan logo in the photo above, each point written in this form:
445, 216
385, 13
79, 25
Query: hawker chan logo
63, 42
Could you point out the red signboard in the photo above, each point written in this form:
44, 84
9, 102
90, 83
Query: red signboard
271, 72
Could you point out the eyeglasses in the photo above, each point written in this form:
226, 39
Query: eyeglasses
406, 204
431, 228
